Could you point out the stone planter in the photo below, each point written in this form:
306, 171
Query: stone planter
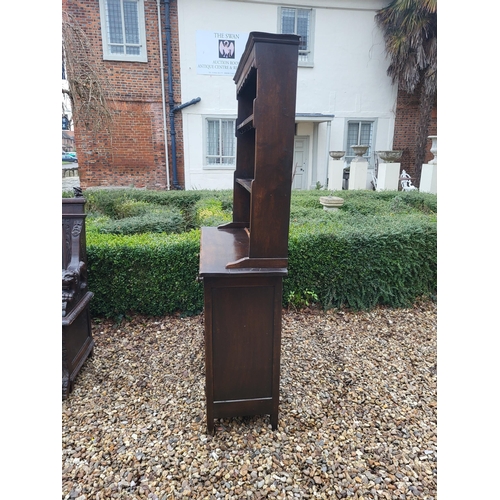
388, 170
337, 155
360, 150
390, 156
331, 203
335, 170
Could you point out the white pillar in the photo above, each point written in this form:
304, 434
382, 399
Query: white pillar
358, 173
328, 137
388, 176
428, 176
335, 175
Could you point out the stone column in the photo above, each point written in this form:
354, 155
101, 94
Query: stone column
336, 170
388, 176
428, 177
388, 170
358, 169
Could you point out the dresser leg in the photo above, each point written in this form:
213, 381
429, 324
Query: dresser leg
210, 426
274, 421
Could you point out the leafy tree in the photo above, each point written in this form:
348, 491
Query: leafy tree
410, 33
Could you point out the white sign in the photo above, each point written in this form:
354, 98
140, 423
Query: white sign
219, 53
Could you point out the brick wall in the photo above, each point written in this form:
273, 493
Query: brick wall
132, 152
405, 130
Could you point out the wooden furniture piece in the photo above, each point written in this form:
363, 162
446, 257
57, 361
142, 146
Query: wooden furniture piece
242, 263
77, 341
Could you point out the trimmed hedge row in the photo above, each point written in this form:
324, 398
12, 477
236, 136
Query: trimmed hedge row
150, 274
375, 260
380, 248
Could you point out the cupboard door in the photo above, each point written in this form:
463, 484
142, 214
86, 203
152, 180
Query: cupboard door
242, 342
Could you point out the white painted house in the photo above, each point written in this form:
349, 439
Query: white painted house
344, 96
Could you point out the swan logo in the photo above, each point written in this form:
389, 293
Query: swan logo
226, 49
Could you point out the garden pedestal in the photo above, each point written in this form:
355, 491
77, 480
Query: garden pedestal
428, 178
388, 176
358, 173
336, 171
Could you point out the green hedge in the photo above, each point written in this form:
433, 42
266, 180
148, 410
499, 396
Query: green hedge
380, 248
150, 274
168, 220
376, 260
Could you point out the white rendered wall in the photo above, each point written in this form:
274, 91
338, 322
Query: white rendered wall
348, 79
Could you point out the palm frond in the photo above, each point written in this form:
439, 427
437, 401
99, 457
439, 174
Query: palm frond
408, 27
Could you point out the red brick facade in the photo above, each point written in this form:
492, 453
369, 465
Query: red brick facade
405, 128
132, 153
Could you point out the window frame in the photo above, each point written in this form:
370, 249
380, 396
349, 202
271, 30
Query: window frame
107, 54
370, 154
310, 48
206, 155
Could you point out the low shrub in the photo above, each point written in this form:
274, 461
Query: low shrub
132, 208
149, 274
106, 201
196, 208
379, 248
364, 261
209, 212
160, 221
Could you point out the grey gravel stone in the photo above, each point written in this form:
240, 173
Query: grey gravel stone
357, 413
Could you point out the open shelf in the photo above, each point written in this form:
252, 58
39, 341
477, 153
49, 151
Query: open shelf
266, 87
245, 125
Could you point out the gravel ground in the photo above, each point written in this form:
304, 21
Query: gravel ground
357, 413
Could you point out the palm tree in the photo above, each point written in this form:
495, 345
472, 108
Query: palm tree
410, 33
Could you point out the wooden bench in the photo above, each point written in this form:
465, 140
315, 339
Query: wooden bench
77, 341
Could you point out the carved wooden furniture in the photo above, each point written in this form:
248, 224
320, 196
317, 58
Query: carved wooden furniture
242, 263
77, 341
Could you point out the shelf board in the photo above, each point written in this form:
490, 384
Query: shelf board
224, 252
245, 125
246, 183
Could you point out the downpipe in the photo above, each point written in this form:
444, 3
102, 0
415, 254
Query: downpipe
171, 104
163, 100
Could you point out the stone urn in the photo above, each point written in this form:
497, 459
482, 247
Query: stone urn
390, 156
331, 203
434, 149
337, 155
359, 150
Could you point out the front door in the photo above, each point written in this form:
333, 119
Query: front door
300, 156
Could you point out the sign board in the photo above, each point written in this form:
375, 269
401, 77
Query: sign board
219, 53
